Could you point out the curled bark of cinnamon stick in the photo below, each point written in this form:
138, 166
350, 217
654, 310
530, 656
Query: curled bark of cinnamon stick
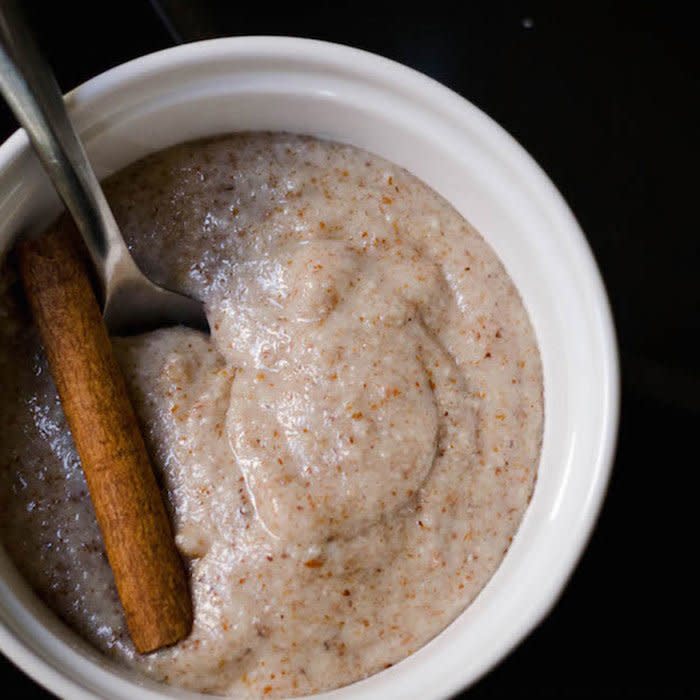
138, 538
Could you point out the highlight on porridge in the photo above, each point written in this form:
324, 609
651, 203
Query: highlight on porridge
346, 458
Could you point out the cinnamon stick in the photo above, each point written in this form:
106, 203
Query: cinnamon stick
138, 538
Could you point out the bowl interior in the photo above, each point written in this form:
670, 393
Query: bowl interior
350, 96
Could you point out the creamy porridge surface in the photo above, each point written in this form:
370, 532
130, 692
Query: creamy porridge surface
346, 459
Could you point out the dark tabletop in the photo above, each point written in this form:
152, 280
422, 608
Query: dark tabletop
606, 100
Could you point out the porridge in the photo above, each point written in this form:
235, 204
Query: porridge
346, 458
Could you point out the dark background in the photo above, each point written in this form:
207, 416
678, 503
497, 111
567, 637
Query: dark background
606, 99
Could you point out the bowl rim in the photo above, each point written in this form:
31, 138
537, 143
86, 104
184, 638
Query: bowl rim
369, 65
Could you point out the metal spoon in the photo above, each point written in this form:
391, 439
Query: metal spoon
131, 302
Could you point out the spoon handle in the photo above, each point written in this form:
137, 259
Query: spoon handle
148, 571
30, 89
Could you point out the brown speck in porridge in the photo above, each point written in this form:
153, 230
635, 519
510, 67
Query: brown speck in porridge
346, 458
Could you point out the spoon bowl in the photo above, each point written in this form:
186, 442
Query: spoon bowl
134, 304
131, 302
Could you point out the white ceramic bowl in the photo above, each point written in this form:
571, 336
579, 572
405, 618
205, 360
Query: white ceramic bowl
355, 97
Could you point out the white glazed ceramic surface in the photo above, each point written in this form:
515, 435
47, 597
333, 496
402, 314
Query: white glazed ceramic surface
354, 97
